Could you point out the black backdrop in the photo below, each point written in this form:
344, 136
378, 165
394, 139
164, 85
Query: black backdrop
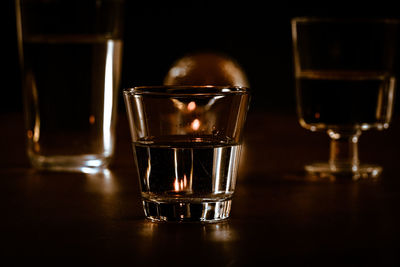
258, 36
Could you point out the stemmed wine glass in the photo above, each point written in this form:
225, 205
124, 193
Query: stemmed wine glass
345, 81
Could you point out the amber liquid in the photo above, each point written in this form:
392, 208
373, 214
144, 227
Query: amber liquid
350, 99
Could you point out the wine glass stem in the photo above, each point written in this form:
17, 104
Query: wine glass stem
344, 150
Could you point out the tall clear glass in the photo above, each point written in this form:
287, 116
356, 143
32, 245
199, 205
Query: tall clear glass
345, 82
70, 54
187, 142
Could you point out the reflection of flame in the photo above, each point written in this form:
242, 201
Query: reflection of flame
176, 184
92, 119
195, 124
191, 106
180, 185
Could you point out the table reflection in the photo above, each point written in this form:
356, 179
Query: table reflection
102, 182
219, 232
205, 244
216, 232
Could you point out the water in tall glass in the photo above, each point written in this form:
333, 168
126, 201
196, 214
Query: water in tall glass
70, 85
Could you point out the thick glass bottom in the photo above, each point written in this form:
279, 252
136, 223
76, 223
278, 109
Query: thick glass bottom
183, 211
326, 170
80, 163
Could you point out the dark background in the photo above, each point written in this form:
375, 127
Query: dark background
258, 36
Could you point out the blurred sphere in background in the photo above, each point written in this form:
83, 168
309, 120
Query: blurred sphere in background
206, 69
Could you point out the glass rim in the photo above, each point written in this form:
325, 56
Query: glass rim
344, 20
180, 90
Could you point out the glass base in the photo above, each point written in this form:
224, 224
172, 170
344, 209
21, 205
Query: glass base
325, 170
81, 163
176, 211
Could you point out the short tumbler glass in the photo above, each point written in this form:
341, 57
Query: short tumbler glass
187, 142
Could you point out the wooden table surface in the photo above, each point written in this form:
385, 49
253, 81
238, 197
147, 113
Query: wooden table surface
278, 216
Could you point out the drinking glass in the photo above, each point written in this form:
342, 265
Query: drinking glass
70, 55
187, 142
345, 81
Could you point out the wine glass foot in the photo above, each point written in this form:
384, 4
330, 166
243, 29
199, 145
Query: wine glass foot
326, 170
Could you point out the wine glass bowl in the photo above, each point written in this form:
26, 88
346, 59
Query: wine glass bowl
345, 83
